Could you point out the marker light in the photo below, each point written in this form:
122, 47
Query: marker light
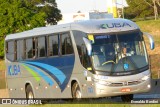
149, 86
102, 82
36, 88
145, 77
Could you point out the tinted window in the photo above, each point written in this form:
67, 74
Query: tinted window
10, 50
66, 44
82, 51
29, 48
41, 47
15, 50
20, 50
53, 45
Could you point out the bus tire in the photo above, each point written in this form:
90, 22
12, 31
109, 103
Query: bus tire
29, 92
76, 92
127, 98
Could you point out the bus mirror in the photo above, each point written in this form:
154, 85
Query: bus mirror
151, 40
88, 45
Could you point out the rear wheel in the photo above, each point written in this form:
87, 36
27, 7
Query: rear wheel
29, 92
76, 92
127, 98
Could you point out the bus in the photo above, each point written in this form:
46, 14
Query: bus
86, 59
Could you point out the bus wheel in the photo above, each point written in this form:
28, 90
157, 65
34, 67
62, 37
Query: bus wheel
76, 92
29, 92
127, 98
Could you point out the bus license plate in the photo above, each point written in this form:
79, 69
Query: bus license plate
125, 90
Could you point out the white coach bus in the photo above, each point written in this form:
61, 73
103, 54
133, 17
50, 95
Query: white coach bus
88, 59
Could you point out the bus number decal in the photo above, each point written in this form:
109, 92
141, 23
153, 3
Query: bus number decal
90, 89
103, 37
13, 69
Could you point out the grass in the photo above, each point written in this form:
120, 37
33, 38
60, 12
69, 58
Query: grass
2, 65
153, 27
99, 105
89, 105
2, 75
2, 83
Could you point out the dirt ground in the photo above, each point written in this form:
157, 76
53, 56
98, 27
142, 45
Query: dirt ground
3, 90
4, 93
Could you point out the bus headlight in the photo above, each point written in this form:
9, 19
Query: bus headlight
146, 77
102, 82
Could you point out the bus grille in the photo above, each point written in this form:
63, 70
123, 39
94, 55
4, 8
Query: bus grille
125, 83
133, 82
116, 84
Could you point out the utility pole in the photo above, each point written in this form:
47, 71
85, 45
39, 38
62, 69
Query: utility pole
112, 8
122, 9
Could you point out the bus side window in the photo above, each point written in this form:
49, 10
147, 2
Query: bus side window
53, 45
20, 50
41, 47
15, 50
29, 46
34, 48
10, 51
66, 44
81, 48
85, 58
24, 49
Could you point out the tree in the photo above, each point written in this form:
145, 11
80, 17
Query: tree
138, 9
20, 15
51, 10
156, 6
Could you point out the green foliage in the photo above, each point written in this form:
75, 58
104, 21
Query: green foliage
1, 49
21, 15
138, 9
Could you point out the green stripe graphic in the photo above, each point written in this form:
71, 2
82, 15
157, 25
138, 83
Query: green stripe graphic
32, 72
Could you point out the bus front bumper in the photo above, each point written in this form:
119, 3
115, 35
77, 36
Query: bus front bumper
104, 91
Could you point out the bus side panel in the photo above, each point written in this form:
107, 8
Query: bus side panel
80, 73
42, 85
15, 80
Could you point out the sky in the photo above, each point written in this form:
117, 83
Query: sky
73, 6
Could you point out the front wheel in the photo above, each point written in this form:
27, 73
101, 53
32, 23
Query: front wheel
127, 98
76, 92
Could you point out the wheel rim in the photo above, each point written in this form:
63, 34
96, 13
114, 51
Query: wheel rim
30, 95
78, 94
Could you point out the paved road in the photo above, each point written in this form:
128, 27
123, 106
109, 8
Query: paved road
111, 100
147, 96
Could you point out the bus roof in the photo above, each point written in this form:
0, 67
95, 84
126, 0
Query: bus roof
89, 26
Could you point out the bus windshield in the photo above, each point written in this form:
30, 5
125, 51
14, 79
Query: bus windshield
121, 52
